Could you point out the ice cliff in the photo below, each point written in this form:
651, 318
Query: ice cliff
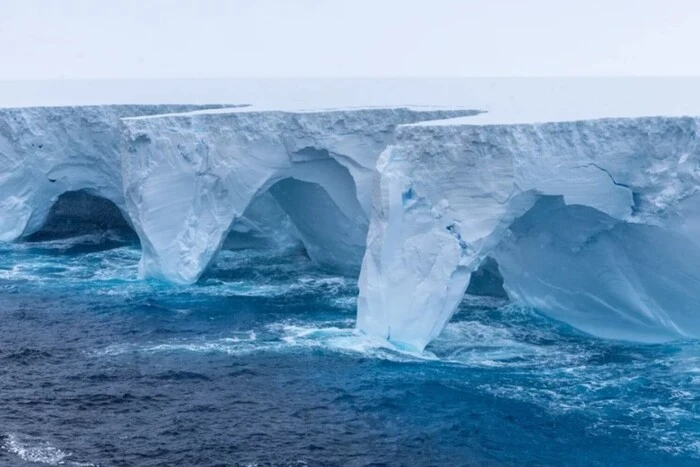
188, 178
594, 223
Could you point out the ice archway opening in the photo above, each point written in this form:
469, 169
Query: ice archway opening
604, 276
87, 217
305, 197
46, 151
303, 210
487, 280
607, 277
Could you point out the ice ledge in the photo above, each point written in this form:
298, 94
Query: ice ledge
446, 113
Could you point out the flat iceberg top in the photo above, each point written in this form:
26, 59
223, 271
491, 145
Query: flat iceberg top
122, 109
505, 118
440, 113
507, 100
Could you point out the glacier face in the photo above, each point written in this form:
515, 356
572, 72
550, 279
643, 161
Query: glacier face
582, 218
47, 151
189, 177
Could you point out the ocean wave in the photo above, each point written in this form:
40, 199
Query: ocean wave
285, 336
465, 343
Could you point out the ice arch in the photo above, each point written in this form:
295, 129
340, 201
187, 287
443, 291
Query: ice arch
189, 177
320, 204
449, 196
79, 213
487, 280
604, 276
47, 151
332, 225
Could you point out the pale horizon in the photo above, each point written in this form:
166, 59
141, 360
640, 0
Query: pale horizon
217, 39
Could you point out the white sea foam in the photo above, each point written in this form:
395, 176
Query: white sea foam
40, 452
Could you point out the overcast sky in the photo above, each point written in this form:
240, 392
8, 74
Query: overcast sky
44, 39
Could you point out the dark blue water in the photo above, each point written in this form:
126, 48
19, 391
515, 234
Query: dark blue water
259, 364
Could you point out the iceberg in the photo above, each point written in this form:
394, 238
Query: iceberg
593, 223
264, 225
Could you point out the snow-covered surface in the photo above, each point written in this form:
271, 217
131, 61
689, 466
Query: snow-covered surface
627, 266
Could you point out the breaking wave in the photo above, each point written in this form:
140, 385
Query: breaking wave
36, 451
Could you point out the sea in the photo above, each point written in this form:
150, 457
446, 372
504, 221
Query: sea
259, 364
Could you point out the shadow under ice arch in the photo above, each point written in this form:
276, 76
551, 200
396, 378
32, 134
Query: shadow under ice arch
332, 228
80, 213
